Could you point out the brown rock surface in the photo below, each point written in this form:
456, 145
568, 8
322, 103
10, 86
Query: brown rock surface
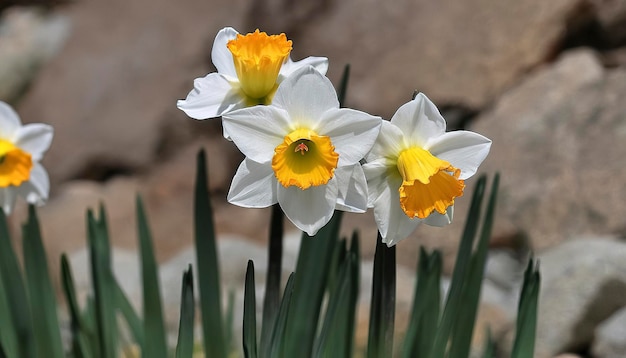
558, 139
112, 90
456, 52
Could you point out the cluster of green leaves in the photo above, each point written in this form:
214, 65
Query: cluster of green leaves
29, 324
313, 315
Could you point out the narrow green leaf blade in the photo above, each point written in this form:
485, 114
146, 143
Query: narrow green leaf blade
271, 301
309, 286
249, 314
424, 317
104, 288
154, 328
8, 336
16, 296
382, 309
464, 328
524, 345
135, 324
80, 330
208, 266
335, 337
42, 298
343, 87
355, 251
277, 344
184, 348
461, 267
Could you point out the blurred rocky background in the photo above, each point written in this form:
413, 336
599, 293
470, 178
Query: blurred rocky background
545, 80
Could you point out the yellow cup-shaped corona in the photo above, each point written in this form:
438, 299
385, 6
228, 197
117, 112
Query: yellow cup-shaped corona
258, 58
15, 165
428, 183
304, 159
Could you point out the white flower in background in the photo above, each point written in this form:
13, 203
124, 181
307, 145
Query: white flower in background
302, 152
21, 149
415, 169
249, 69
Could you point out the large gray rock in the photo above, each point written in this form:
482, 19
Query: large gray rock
29, 37
111, 93
462, 53
583, 283
558, 139
610, 337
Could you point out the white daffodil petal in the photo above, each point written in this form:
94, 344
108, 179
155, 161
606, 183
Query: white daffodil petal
253, 186
392, 223
257, 130
306, 95
440, 220
419, 120
220, 54
9, 121
40, 184
309, 209
352, 189
464, 150
389, 143
7, 199
319, 63
211, 96
352, 132
376, 173
34, 138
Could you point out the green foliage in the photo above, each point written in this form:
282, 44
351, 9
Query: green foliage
314, 314
383, 304
527, 313
184, 348
154, 328
249, 314
208, 266
16, 331
42, 299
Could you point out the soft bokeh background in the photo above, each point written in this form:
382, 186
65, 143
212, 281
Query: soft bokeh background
545, 80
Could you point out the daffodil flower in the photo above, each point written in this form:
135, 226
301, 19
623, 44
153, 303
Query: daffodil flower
302, 152
21, 149
415, 169
249, 69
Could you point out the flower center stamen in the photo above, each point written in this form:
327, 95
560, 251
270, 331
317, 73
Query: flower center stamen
428, 183
258, 58
15, 164
301, 148
314, 165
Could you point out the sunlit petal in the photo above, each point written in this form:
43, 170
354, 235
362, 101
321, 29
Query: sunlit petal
309, 209
220, 55
253, 186
352, 189
306, 95
353, 133
211, 96
34, 138
389, 143
440, 220
419, 120
464, 150
319, 63
9, 121
257, 131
